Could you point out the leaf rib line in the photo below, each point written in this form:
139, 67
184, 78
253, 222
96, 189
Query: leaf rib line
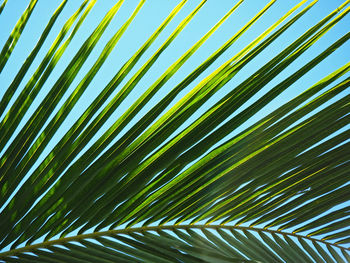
77, 238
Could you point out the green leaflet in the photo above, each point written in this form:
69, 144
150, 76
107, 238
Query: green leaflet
29, 60
22, 141
15, 34
54, 124
33, 86
50, 55
175, 115
45, 170
3, 5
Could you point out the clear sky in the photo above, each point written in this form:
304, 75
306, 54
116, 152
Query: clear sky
148, 19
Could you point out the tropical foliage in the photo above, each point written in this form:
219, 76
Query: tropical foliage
190, 170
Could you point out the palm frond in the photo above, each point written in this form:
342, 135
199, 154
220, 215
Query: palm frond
189, 171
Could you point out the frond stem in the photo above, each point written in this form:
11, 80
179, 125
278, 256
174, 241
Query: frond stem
93, 235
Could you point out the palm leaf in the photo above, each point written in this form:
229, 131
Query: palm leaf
190, 170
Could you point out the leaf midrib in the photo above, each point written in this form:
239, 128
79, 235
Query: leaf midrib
93, 235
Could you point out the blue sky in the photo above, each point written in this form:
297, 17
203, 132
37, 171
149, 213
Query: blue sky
148, 19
